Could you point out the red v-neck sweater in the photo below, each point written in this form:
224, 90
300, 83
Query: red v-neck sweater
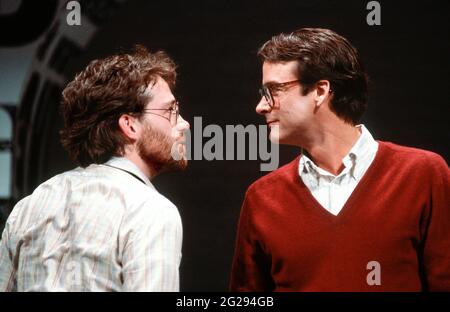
398, 215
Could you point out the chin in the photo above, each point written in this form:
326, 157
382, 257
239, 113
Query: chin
182, 164
274, 135
174, 165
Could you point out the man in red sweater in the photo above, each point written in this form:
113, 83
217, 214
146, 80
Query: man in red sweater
350, 213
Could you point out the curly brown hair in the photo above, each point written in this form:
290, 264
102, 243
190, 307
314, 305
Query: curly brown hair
323, 54
94, 101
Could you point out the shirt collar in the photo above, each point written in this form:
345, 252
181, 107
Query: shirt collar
364, 146
127, 165
363, 149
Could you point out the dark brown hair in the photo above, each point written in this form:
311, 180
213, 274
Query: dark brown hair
94, 101
322, 54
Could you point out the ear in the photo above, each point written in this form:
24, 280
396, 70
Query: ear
323, 92
129, 126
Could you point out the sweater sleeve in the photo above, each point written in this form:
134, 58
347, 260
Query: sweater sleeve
251, 266
436, 250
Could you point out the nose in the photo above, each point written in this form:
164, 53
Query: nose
263, 106
182, 124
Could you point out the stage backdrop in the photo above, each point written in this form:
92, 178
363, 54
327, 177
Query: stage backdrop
215, 44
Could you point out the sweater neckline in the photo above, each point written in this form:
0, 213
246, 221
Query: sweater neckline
350, 205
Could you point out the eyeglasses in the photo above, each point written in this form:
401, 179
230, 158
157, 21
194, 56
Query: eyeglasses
268, 91
174, 113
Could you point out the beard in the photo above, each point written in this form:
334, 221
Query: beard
155, 148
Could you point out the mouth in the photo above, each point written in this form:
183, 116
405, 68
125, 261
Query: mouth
179, 137
271, 123
181, 141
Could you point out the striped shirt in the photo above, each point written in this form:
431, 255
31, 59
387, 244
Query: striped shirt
101, 228
331, 191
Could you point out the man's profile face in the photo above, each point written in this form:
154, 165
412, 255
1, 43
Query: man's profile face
292, 111
160, 132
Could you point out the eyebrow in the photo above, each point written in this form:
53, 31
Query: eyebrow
170, 103
271, 82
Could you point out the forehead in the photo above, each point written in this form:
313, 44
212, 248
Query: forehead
161, 93
279, 72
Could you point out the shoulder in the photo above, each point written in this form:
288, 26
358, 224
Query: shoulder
406, 155
136, 196
47, 193
100, 186
157, 204
276, 178
49, 187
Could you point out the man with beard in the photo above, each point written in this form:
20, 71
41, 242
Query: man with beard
103, 226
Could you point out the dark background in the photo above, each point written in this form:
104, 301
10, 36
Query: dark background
215, 44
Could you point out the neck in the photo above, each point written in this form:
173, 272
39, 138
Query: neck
146, 169
331, 144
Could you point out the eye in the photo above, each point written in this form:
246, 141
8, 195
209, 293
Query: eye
273, 87
275, 90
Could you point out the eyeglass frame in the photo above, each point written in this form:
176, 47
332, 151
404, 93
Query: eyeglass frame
176, 108
266, 90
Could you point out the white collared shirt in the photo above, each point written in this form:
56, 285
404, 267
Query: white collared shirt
331, 191
93, 229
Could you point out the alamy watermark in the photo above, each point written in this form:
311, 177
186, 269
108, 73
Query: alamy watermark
374, 16
73, 17
233, 142
374, 276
